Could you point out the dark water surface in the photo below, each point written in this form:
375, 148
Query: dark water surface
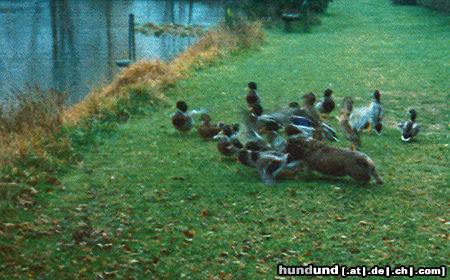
72, 45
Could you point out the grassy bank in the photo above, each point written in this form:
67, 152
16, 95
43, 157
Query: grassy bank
150, 203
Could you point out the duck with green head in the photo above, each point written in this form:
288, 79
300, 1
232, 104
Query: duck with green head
228, 144
326, 104
182, 119
252, 97
410, 128
322, 131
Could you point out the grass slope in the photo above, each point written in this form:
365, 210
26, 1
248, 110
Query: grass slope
150, 203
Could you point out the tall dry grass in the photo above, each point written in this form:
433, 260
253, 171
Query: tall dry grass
35, 137
31, 142
157, 76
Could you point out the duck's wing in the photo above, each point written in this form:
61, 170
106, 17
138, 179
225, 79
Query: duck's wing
306, 130
182, 121
303, 124
416, 129
359, 118
409, 130
319, 105
247, 132
376, 113
330, 133
235, 141
225, 146
270, 167
276, 142
194, 112
282, 115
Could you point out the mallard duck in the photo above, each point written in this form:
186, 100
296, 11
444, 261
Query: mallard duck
276, 142
326, 104
299, 125
252, 96
322, 131
284, 115
409, 128
364, 117
228, 144
261, 122
231, 132
349, 132
269, 164
248, 135
182, 120
309, 109
208, 130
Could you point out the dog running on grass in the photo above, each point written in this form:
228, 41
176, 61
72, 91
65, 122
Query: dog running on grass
331, 160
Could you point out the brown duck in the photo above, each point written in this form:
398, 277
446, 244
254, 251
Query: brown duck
347, 130
208, 130
252, 97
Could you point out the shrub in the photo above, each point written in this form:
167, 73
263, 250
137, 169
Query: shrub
258, 9
32, 144
440, 5
404, 2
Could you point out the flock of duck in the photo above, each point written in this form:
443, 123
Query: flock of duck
256, 141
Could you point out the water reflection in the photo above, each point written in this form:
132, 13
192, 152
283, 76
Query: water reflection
72, 45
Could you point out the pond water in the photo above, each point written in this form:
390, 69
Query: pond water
72, 45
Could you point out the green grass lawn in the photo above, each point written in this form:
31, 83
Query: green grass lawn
151, 203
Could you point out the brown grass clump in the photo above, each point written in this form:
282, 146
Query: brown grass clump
38, 133
157, 76
30, 137
218, 43
154, 75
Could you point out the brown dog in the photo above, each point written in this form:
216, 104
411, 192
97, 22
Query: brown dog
332, 160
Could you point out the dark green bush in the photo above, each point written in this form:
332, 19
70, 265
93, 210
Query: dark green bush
440, 5
258, 9
404, 2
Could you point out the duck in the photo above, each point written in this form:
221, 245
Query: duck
252, 97
376, 112
322, 131
365, 117
284, 115
276, 142
228, 144
248, 135
269, 164
208, 130
261, 122
409, 128
326, 104
300, 125
182, 120
349, 132
309, 109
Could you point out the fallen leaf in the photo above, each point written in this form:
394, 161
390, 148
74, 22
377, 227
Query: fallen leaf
189, 233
